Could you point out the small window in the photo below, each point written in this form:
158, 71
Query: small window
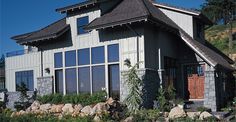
70, 58
81, 23
71, 81
84, 57
98, 55
84, 80
98, 75
25, 78
113, 53
58, 60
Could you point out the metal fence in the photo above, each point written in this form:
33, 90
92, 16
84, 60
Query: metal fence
21, 52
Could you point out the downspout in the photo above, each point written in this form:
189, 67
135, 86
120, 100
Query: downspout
41, 62
137, 34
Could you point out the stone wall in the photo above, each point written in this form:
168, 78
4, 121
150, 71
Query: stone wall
45, 85
210, 89
151, 82
13, 97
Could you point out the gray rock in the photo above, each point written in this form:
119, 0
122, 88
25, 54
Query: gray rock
45, 107
177, 112
86, 110
205, 115
68, 109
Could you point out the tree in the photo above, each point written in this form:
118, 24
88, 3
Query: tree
134, 83
2, 61
219, 10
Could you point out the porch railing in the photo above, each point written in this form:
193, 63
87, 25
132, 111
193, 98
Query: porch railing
21, 52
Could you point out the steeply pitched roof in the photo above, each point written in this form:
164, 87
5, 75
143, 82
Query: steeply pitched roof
136, 10
51, 31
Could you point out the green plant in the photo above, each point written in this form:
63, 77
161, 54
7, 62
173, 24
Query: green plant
134, 83
162, 101
83, 98
170, 93
23, 102
202, 109
147, 115
179, 101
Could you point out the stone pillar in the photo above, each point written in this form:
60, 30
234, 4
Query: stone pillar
151, 83
210, 89
45, 85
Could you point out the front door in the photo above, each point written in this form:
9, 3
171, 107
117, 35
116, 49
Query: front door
195, 81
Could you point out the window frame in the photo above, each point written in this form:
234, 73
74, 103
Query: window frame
81, 26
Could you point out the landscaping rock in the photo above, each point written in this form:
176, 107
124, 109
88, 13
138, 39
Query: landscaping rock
110, 101
45, 107
193, 115
97, 119
205, 115
56, 108
99, 108
177, 112
166, 114
13, 114
129, 119
35, 105
86, 110
68, 109
78, 108
21, 112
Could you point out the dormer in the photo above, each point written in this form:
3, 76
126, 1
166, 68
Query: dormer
191, 21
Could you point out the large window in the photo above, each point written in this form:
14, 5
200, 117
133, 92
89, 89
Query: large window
84, 56
25, 78
84, 80
98, 78
59, 81
58, 60
70, 58
71, 81
81, 23
98, 55
113, 53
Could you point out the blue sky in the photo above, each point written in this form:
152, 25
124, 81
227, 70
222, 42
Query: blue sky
22, 16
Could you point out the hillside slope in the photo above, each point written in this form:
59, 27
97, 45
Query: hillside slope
218, 36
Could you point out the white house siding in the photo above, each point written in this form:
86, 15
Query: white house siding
183, 20
32, 61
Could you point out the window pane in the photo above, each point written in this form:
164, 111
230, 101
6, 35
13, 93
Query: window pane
113, 53
98, 78
59, 81
26, 77
98, 55
58, 60
81, 22
71, 82
70, 57
84, 80
83, 56
114, 81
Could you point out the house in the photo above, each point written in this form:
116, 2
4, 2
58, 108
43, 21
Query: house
85, 52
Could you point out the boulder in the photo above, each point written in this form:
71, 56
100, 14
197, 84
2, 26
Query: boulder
86, 110
68, 109
129, 119
45, 107
99, 108
193, 115
22, 112
56, 108
97, 119
205, 115
78, 108
110, 101
166, 114
176, 112
13, 114
35, 105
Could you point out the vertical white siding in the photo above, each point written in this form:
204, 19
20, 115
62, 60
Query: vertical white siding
183, 20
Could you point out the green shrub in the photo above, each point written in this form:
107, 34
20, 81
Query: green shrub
83, 98
146, 115
202, 109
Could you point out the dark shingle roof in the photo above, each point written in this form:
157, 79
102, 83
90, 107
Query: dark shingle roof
51, 31
136, 10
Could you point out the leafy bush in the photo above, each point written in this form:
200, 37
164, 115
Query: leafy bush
83, 98
146, 115
163, 103
202, 109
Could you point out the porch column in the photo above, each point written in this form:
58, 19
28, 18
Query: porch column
210, 88
160, 70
